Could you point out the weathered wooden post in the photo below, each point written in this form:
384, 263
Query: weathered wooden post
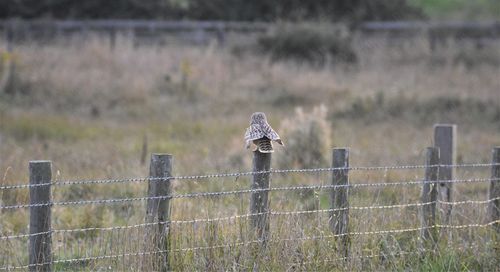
259, 203
158, 208
40, 255
445, 139
494, 205
429, 197
339, 199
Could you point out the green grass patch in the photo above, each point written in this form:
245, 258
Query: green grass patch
465, 9
47, 127
422, 112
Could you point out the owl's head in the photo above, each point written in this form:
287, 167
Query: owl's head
258, 118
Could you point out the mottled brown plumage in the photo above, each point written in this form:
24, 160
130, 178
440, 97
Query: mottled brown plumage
261, 134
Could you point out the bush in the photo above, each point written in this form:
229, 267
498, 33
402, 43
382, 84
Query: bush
311, 43
307, 138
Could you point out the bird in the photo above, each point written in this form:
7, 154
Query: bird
261, 134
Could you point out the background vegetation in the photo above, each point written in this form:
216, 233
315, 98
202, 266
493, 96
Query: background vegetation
94, 109
236, 10
459, 9
88, 108
258, 10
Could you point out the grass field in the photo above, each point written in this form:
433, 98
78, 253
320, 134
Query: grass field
459, 9
90, 110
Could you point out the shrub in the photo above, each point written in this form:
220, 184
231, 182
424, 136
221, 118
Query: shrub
307, 138
310, 43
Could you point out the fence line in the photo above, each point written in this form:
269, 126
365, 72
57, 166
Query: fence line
246, 243
164, 251
362, 257
150, 25
85, 259
249, 215
237, 192
490, 28
241, 174
158, 223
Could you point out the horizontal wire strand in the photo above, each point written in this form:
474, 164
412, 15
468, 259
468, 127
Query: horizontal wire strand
420, 251
240, 174
305, 238
230, 218
245, 191
438, 226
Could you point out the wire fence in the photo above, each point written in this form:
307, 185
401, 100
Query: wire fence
249, 215
238, 192
128, 246
246, 243
204, 30
240, 174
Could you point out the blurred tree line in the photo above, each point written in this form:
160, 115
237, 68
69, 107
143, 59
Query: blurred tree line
238, 10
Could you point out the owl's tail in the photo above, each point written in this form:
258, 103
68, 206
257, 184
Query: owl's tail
264, 145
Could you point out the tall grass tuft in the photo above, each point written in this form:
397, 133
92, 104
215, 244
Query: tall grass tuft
307, 136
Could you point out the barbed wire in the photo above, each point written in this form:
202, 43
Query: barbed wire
387, 254
165, 251
249, 215
246, 243
83, 259
240, 174
401, 253
245, 191
304, 238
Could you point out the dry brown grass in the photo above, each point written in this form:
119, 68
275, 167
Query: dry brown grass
87, 108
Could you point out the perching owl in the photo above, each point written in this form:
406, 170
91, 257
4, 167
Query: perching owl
261, 134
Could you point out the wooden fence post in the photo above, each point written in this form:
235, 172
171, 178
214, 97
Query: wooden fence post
259, 203
144, 151
40, 255
158, 208
339, 199
494, 205
429, 196
112, 38
7, 61
445, 139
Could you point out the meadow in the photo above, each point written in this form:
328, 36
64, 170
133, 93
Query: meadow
94, 110
459, 9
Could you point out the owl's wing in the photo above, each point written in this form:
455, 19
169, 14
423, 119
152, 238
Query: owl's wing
271, 134
253, 133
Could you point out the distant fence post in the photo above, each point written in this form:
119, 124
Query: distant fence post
158, 208
40, 255
144, 151
445, 138
495, 190
9, 35
7, 61
429, 197
259, 203
112, 38
339, 199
